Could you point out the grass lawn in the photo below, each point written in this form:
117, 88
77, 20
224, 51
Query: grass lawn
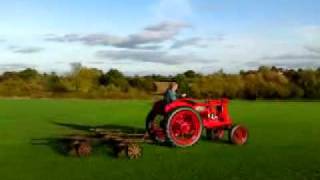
284, 143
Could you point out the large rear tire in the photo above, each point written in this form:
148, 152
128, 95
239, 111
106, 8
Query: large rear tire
155, 127
183, 127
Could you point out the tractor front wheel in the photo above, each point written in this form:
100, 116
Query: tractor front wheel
184, 127
238, 135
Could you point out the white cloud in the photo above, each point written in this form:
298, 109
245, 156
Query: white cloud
25, 50
154, 34
159, 57
313, 49
196, 42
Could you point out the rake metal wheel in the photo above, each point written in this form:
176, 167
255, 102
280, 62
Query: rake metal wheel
84, 149
134, 151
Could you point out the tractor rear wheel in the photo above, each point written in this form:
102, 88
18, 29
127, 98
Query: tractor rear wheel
184, 127
238, 135
215, 134
155, 127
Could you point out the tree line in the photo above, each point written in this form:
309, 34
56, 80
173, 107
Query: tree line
84, 82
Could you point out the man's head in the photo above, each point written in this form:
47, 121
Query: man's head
173, 86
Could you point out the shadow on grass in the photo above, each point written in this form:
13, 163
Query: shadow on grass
58, 145
111, 127
66, 146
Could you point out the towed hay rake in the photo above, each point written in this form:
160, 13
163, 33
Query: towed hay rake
123, 144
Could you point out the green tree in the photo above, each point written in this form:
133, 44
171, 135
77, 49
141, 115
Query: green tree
233, 86
28, 74
190, 74
83, 79
142, 83
116, 78
183, 84
309, 81
55, 83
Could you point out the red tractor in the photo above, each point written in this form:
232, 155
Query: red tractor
181, 122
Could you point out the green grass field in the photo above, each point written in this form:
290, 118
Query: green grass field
284, 143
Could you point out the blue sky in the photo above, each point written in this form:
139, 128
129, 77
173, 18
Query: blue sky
160, 36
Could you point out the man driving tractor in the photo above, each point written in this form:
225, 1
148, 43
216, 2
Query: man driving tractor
171, 93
